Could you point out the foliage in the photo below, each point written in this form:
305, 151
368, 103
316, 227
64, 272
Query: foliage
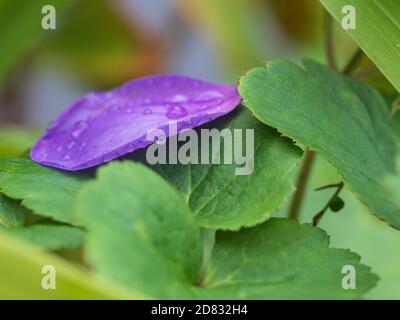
132, 230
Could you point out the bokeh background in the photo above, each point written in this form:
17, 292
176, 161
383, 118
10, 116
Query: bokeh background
99, 44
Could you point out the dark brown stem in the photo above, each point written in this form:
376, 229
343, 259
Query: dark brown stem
354, 62
328, 186
329, 41
316, 219
301, 185
310, 156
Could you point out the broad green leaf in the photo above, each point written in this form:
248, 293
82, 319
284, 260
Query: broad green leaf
20, 29
377, 31
141, 234
21, 276
346, 121
354, 228
14, 141
12, 214
45, 191
281, 259
50, 236
392, 183
221, 199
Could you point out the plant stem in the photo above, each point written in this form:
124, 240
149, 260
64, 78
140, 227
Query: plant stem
320, 214
328, 186
354, 62
329, 43
310, 156
301, 185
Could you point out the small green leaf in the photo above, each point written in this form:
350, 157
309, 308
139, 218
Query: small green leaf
336, 204
345, 121
45, 191
142, 235
222, 199
281, 259
21, 276
377, 31
12, 214
51, 236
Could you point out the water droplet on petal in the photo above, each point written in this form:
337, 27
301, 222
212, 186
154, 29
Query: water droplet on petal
116, 107
71, 145
80, 127
211, 94
179, 98
147, 111
83, 145
210, 104
67, 157
176, 112
59, 149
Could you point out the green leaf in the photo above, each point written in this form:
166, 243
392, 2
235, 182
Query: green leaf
377, 22
21, 276
221, 199
51, 236
347, 122
392, 183
21, 29
141, 234
12, 214
45, 191
281, 259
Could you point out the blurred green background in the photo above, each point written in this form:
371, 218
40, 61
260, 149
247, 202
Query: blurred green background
100, 44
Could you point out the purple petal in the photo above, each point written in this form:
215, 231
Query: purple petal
102, 126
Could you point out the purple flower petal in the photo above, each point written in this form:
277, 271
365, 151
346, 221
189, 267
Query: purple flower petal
102, 126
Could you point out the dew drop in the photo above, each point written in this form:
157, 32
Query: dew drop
59, 149
147, 111
83, 145
210, 104
71, 145
80, 127
116, 107
67, 157
176, 112
179, 98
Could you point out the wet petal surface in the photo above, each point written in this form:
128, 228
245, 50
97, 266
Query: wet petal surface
102, 126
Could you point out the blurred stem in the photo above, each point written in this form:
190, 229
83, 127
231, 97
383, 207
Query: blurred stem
329, 41
354, 62
309, 158
320, 214
301, 185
